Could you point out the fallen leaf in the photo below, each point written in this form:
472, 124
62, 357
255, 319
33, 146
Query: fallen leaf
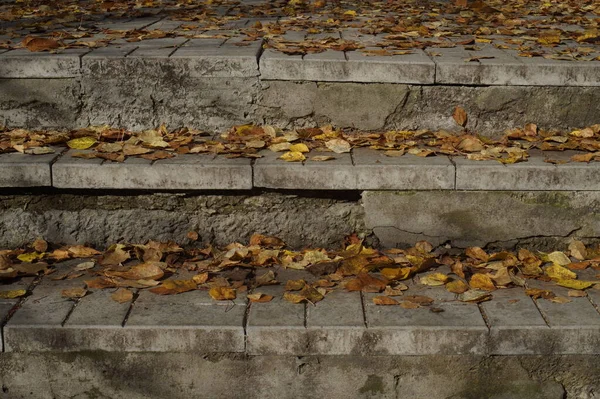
460, 116
457, 287
384, 300
409, 305
321, 158
260, 297
536, 293
84, 266
142, 271
80, 251
559, 258
81, 143
419, 299
267, 241
40, 245
122, 295
577, 250
222, 293
434, 279
558, 272
560, 299
36, 44
400, 273
12, 294
339, 146
575, 284
172, 287
576, 293
30, 257
74, 293
300, 147
482, 282
200, 278
294, 285
293, 156
475, 296
192, 235
477, 254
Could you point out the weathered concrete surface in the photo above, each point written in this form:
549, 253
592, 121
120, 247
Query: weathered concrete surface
491, 109
151, 375
99, 219
484, 218
37, 103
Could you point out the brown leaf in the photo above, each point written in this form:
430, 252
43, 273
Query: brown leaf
266, 241
74, 293
143, 271
536, 293
200, 278
294, 285
40, 245
409, 305
192, 235
114, 256
576, 248
475, 296
477, 254
583, 157
81, 251
385, 300
122, 295
36, 44
460, 116
419, 299
172, 287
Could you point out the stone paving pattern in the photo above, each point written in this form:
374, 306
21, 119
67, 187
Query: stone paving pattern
344, 323
361, 169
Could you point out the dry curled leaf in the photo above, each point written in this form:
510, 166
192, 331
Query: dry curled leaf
222, 293
259, 297
172, 287
122, 295
385, 301
74, 293
460, 116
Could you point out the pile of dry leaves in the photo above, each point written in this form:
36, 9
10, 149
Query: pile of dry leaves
238, 269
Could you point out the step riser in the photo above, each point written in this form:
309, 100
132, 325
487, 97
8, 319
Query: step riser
496, 219
216, 103
147, 375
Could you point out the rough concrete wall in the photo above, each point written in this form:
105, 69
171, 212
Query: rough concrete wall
143, 95
165, 375
222, 219
494, 219
491, 109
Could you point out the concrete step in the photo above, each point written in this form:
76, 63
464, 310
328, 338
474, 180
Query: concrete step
361, 169
344, 323
214, 83
344, 344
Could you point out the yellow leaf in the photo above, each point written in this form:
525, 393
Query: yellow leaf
557, 272
559, 258
578, 250
222, 293
401, 273
293, 156
482, 282
81, 143
457, 287
300, 147
574, 284
12, 294
434, 279
30, 257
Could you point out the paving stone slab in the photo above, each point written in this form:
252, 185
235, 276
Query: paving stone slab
37, 324
575, 325
336, 66
222, 60
376, 171
276, 327
393, 330
336, 174
533, 175
21, 170
336, 325
516, 325
189, 172
182, 323
22, 63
